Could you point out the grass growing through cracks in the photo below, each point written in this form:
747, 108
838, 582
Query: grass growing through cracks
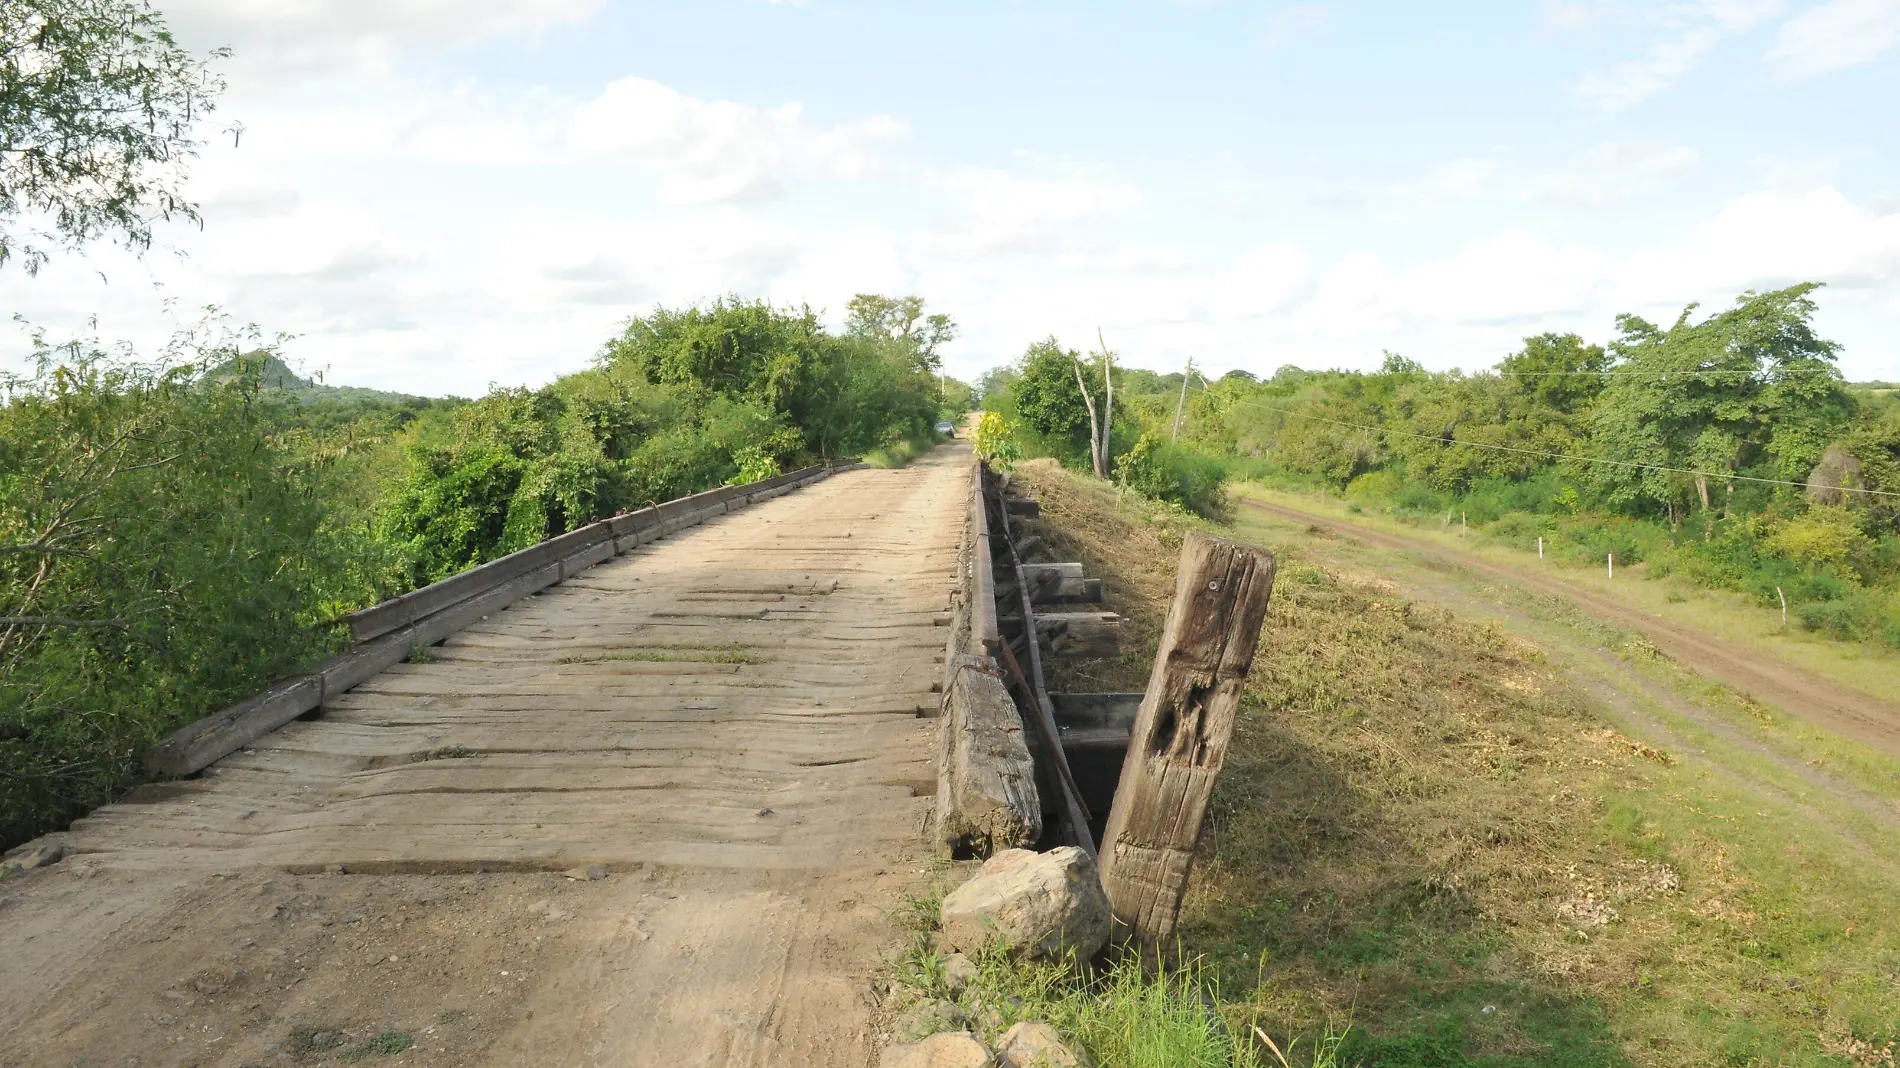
734, 653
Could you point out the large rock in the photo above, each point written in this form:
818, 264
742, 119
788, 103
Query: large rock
1038, 904
959, 971
38, 853
927, 1017
1836, 476
954, 1049
1034, 1044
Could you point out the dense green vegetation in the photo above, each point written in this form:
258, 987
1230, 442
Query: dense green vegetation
1725, 449
174, 534
158, 558
1040, 398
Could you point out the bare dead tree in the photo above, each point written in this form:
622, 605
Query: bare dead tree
1100, 421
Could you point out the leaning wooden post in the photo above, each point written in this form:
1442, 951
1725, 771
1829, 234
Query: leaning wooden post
1180, 735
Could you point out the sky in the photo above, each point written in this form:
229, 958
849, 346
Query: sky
434, 196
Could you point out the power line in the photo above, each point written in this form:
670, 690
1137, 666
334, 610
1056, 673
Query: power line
1718, 475
1572, 374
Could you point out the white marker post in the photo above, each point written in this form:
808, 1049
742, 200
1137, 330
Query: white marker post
1784, 607
1612, 565
1540, 546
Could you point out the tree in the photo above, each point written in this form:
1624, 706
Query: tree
98, 107
1557, 371
1049, 399
1099, 427
157, 560
1753, 384
900, 320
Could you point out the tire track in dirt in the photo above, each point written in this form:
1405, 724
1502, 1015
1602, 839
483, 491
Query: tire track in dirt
1823, 703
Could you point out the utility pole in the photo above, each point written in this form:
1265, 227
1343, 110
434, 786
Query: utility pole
1108, 408
1180, 405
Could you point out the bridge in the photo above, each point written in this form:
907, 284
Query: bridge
661, 812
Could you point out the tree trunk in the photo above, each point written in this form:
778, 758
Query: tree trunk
1095, 426
1108, 415
1180, 404
1702, 490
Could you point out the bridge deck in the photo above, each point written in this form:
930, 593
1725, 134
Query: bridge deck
730, 725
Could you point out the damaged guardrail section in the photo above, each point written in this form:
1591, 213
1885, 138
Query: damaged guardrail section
385, 634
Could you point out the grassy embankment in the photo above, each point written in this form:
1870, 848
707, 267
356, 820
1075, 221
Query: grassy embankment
1738, 618
1521, 840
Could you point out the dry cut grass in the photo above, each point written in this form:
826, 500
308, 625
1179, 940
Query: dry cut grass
1426, 830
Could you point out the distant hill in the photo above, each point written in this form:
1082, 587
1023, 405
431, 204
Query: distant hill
276, 375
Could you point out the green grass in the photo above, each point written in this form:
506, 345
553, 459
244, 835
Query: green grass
900, 453
1125, 1013
1732, 616
382, 1044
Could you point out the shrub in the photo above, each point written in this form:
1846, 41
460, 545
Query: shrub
1824, 538
161, 560
995, 442
1165, 472
1519, 528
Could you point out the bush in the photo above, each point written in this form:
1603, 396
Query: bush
1520, 529
1165, 472
1826, 539
161, 560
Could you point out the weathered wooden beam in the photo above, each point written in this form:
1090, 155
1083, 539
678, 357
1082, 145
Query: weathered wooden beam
605, 536
388, 632
1071, 633
1180, 735
1090, 710
984, 632
1094, 729
1090, 593
1061, 584
986, 780
1075, 813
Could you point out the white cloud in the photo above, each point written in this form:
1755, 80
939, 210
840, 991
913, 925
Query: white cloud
1689, 31
1636, 80
1776, 237
1455, 180
712, 151
276, 38
1615, 172
1834, 36
702, 151
1282, 26
997, 211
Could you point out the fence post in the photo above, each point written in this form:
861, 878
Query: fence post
1180, 736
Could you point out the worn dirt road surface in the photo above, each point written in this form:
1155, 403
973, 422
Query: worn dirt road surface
660, 814
1837, 708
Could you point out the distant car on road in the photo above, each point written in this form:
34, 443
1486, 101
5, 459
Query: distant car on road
947, 429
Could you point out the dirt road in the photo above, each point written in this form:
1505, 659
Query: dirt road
1823, 703
722, 740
